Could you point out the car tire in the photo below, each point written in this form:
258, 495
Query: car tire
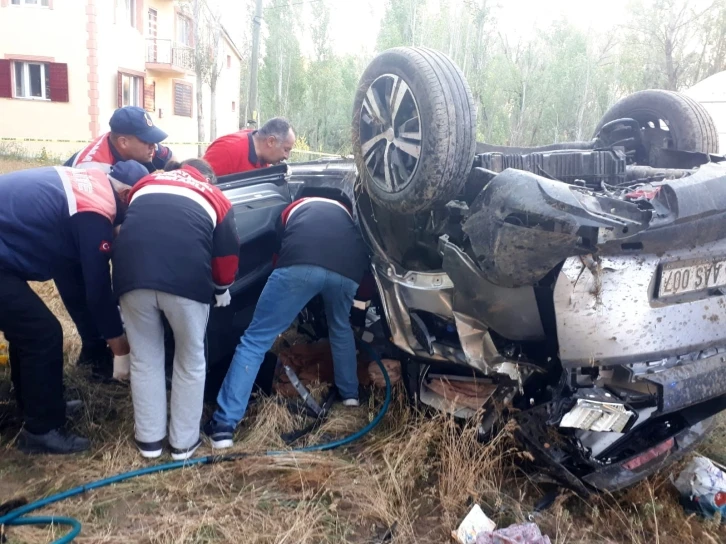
690, 125
414, 129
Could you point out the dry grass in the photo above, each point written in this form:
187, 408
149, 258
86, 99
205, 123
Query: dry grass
11, 165
416, 473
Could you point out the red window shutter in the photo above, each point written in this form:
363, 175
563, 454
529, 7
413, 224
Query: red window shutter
120, 101
150, 96
58, 82
6, 81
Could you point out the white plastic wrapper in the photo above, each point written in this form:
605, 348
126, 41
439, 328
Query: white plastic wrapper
475, 522
700, 477
122, 367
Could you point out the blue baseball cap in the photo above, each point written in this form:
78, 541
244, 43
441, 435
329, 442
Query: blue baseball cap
135, 121
128, 172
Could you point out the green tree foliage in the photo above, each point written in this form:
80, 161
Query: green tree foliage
552, 85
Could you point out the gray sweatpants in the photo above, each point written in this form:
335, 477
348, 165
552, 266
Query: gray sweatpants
142, 311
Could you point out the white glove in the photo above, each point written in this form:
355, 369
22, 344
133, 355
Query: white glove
223, 300
122, 367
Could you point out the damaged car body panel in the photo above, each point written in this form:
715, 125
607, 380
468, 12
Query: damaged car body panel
622, 310
625, 324
522, 225
577, 288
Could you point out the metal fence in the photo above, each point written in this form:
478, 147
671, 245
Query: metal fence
169, 52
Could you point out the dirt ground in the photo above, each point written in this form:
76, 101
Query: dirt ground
414, 476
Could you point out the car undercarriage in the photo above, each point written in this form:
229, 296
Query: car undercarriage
577, 288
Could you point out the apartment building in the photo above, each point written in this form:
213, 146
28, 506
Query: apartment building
66, 65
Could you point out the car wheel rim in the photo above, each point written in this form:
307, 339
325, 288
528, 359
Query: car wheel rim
390, 133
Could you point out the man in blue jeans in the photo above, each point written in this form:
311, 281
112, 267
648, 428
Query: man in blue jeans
321, 253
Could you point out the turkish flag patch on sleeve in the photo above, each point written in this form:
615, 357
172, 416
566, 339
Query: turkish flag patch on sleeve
105, 247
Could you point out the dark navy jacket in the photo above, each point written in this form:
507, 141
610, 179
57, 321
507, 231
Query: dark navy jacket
179, 237
321, 232
55, 221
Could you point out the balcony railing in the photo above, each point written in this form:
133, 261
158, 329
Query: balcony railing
170, 53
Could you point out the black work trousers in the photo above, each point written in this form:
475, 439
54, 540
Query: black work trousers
36, 354
72, 291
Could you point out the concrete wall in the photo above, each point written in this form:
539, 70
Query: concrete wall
228, 92
120, 47
61, 34
54, 35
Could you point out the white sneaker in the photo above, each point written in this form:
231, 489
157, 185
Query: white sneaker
150, 450
184, 454
351, 403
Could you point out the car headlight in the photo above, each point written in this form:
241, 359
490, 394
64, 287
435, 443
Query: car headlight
597, 416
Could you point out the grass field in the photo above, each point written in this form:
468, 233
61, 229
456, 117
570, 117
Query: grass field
416, 474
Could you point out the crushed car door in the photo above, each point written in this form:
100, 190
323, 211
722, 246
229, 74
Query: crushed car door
258, 198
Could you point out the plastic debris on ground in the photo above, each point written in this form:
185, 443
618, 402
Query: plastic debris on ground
470, 393
475, 523
702, 486
522, 533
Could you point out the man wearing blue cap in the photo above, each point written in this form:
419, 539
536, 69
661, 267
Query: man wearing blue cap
57, 223
134, 137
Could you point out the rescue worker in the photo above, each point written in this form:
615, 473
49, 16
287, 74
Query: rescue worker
133, 136
251, 149
176, 252
321, 253
57, 223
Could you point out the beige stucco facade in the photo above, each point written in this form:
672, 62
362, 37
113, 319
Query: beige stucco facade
20, 30
96, 40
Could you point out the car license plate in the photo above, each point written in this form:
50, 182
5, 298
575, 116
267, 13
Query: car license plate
686, 277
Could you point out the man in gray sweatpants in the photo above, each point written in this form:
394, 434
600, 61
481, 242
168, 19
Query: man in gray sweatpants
175, 254
142, 309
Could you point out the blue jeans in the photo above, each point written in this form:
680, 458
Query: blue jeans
286, 293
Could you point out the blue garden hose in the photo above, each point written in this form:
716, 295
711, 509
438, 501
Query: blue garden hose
15, 517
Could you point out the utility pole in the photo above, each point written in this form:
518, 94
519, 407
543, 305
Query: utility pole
252, 102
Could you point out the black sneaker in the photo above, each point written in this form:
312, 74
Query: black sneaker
183, 454
221, 436
150, 450
57, 441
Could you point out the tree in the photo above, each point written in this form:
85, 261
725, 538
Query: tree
282, 74
214, 59
401, 23
662, 41
199, 69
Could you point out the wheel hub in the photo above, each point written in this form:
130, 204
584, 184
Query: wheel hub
390, 133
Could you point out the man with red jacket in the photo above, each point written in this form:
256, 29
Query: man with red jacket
176, 252
133, 136
250, 149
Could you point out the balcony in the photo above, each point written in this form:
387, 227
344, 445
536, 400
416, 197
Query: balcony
169, 57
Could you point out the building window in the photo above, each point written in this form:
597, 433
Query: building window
234, 106
42, 3
182, 99
130, 12
32, 80
229, 61
130, 90
184, 30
